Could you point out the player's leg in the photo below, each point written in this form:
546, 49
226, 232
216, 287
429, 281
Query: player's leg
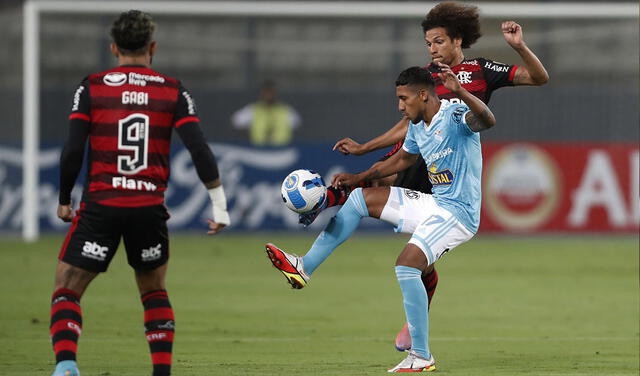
147, 244
87, 250
430, 281
366, 202
437, 232
409, 267
66, 315
159, 320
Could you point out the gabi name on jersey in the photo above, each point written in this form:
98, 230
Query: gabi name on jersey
132, 184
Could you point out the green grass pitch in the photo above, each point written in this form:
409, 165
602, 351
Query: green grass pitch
561, 305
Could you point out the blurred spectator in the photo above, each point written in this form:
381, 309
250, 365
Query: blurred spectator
270, 122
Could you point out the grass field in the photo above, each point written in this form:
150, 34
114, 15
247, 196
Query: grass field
504, 306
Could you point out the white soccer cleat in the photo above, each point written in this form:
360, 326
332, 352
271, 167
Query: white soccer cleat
415, 363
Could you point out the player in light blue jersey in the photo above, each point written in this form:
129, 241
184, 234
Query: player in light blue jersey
446, 135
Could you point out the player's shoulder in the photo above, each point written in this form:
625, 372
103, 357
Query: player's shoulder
492, 65
132, 75
454, 111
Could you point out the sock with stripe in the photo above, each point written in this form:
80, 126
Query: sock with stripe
338, 196
414, 298
337, 231
66, 324
430, 282
159, 327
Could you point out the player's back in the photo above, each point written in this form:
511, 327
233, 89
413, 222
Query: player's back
131, 111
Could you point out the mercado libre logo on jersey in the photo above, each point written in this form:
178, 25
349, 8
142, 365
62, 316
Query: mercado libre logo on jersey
291, 182
115, 79
444, 177
521, 187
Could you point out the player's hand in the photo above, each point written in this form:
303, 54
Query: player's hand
448, 78
344, 179
512, 33
214, 227
65, 212
349, 146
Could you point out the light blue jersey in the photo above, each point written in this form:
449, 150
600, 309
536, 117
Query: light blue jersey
452, 153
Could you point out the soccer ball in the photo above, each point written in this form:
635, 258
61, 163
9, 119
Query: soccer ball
303, 191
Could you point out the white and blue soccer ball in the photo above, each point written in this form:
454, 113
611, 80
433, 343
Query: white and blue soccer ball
303, 191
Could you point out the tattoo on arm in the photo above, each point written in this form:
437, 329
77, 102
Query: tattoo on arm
479, 122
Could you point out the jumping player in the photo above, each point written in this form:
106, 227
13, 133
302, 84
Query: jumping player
446, 135
128, 114
448, 29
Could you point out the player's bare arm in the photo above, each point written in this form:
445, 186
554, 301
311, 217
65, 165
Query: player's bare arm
389, 138
397, 162
480, 117
531, 72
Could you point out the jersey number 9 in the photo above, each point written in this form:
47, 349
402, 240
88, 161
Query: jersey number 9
133, 139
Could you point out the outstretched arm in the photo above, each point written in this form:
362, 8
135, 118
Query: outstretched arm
397, 162
531, 72
480, 117
188, 127
388, 138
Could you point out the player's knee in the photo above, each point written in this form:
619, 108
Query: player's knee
413, 257
151, 280
375, 198
72, 278
357, 202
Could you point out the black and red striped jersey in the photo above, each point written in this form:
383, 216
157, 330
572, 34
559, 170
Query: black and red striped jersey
478, 76
131, 112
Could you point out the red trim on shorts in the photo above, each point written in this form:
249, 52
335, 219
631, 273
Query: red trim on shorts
74, 226
189, 119
80, 116
513, 72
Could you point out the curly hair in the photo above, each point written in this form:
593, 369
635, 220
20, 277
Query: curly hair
460, 21
132, 32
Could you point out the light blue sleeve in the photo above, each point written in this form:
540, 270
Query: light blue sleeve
410, 145
458, 114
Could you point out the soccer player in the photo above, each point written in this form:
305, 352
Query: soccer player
448, 29
446, 135
128, 114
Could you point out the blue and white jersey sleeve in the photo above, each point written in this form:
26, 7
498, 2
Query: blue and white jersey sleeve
410, 145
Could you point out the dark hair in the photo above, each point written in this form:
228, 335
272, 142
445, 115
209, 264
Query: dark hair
460, 21
132, 32
416, 76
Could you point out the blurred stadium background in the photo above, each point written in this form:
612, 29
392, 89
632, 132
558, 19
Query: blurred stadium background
564, 157
560, 192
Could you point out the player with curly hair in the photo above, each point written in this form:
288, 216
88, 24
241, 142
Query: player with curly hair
448, 29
